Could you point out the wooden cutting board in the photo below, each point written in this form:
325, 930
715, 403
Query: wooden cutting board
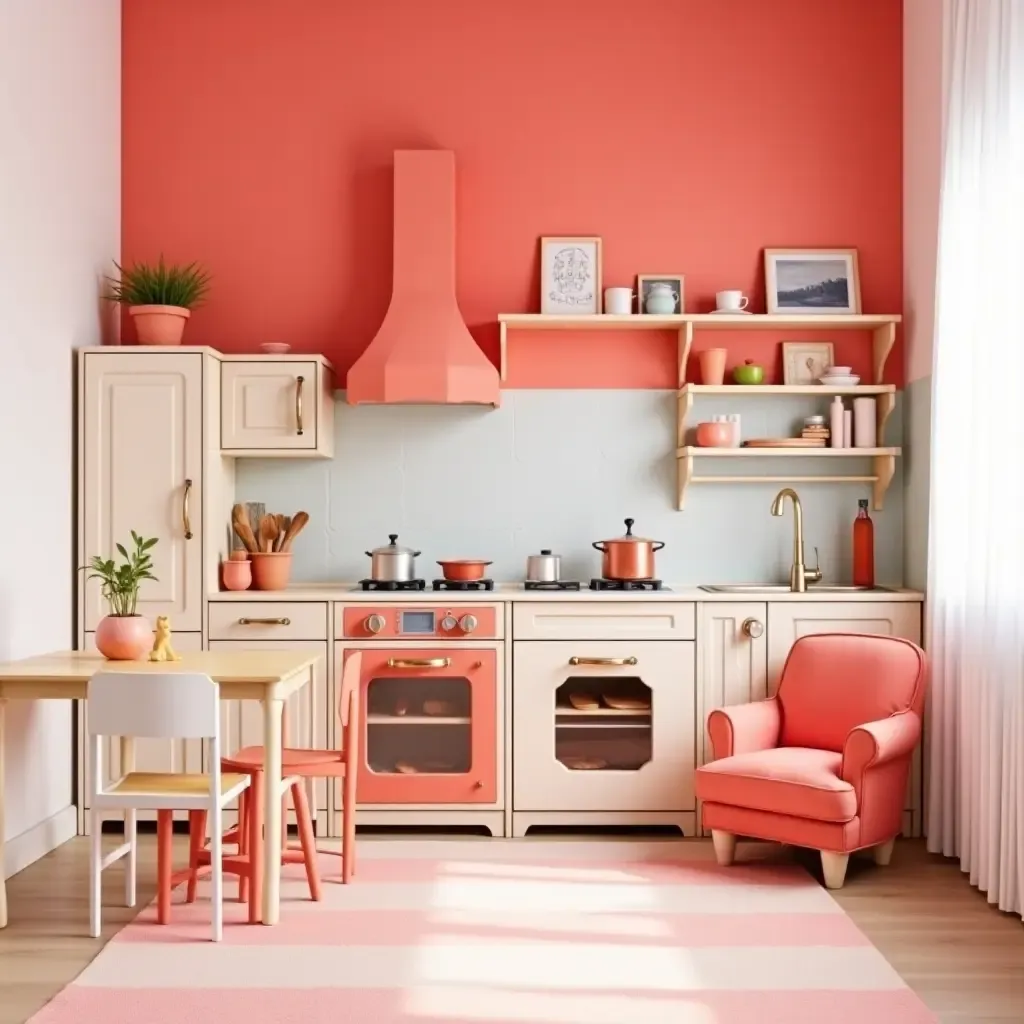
785, 442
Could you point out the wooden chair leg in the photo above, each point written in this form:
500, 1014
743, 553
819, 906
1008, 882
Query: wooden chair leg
255, 840
307, 839
725, 847
348, 828
883, 853
196, 841
833, 867
244, 846
164, 853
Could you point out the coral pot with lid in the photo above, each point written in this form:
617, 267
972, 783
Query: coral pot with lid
392, 563
628, 557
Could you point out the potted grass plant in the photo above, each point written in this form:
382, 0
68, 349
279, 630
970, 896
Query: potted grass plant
124, 635
159, 298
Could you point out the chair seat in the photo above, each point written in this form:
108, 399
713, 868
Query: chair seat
167, 785
296, 761
798, 781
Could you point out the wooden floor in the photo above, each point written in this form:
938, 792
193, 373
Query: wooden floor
965, 959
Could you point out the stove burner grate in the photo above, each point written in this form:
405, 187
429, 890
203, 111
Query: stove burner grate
463, 585
603, 584
551, 585
392, 584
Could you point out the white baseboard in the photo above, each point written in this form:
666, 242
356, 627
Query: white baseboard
39, 840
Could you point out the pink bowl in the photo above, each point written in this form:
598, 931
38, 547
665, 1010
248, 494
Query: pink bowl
714, 435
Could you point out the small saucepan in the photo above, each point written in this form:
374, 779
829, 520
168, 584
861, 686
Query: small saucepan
628, 557
464, 569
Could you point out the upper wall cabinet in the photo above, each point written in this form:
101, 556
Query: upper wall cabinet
277, 406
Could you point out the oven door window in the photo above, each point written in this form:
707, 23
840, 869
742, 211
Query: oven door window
603, 723
419, 725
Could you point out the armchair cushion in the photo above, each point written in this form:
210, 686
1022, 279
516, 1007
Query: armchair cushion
743, 728
797, 781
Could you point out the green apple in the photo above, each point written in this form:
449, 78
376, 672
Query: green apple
748, 373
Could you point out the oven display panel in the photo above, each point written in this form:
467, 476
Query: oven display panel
417, 623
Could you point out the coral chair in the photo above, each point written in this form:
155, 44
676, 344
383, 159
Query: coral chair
824, 763
161, 706
324, 764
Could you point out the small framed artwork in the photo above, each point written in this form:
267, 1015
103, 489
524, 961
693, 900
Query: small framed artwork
803, 362
570, 275
666, 288
812, 281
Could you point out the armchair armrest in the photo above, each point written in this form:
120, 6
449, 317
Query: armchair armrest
875, 743
744, 728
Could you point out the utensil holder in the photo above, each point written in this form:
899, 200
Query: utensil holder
271, 570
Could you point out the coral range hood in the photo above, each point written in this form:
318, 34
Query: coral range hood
423, 352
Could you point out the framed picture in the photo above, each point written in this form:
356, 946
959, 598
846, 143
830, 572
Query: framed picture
570, 275
803, 362
812, 281
673, 286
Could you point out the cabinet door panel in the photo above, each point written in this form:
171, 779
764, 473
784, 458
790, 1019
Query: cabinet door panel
141, 442
732, 664
263, 403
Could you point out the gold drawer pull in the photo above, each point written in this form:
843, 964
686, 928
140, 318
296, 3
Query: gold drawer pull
419, 662
602, 661
299, 381
264, 622
186, 519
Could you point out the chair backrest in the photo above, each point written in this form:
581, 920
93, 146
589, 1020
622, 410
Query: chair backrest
833, 682
348, 705
165, 705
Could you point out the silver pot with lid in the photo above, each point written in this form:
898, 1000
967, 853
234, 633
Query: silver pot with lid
544, 568
392, 563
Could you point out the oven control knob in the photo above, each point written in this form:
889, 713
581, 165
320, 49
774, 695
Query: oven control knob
468, 623
449, 622
374, 623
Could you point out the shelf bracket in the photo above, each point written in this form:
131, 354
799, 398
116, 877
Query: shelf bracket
503, 341
882, 342
886, 404
684, 474
885, 468
684, 403
685, 343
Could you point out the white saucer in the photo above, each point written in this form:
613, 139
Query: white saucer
850, 381
732, 312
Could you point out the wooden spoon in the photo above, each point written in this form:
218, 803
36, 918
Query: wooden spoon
283, 522
240, 523
298, 522
268, 533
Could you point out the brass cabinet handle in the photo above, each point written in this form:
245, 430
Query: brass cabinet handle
419, 662
602, 661
264, 622
753, 628
298, 404
186, 520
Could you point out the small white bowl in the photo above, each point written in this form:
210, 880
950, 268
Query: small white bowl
276, 348
838, 371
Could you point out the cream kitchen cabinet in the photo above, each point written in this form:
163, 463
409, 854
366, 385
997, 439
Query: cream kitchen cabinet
151, 755
281, 406
732, 660
140, 452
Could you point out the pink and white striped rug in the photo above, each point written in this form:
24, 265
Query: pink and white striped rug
508, 932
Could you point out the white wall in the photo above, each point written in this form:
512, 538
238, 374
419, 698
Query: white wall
60, 225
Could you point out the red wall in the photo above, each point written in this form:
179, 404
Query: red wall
690, 134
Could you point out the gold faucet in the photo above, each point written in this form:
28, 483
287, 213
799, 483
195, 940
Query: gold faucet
799, 574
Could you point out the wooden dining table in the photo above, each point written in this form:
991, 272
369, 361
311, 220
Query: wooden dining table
270, 677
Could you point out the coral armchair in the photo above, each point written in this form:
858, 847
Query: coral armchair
824, 762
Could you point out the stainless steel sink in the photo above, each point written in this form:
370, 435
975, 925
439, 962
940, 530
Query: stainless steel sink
783, 588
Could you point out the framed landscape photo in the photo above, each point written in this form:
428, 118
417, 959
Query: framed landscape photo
673, 287
803, 362
570, 275
810, 281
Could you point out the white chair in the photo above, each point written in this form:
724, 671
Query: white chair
164, 705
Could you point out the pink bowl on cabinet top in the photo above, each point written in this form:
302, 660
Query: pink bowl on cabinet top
714, 435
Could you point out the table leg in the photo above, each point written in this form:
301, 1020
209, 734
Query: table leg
130, 824
272, 720
3, 884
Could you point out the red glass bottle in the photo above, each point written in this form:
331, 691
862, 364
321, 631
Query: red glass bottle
863, 547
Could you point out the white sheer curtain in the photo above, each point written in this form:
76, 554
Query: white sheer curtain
975, 627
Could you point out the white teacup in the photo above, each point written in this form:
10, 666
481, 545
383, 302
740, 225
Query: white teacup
618, 301
733, 301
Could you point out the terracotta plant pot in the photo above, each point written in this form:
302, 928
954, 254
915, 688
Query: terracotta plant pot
124, 637
271, 570
236, 574
159, 325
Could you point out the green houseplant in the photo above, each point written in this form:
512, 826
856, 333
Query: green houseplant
124, 635
159, 298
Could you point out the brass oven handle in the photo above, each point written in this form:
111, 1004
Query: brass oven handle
298, 404
419, 662
186, 520
264, 622
602, 661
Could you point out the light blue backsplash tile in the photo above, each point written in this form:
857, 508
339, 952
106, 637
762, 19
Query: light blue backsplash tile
559, 469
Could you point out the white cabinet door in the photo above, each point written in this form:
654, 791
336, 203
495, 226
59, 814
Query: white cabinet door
307, 712
141, 469
732, 660
151, 755
630, 747
271, 406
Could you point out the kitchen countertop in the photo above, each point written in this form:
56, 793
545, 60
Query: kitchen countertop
516, 592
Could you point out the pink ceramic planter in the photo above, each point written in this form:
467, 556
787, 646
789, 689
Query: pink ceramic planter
124, 637
159, 325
